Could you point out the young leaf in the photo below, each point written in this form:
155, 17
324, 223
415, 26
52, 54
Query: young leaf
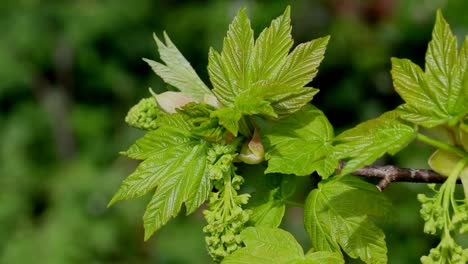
300, 67
323, 257
177, 70
272, 47
230, 71
275, 246
268, 201
175, 165
337, 215
368, 141
440, 94
299, 144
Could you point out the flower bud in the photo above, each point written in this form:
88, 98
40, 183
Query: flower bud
170, 101
252, 152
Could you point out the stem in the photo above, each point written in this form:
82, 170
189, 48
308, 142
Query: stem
439, 144
244, 128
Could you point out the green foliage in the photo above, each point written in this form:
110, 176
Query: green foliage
300, 144
440, 94
274, 245
338, 215
258, 110
368, 141
177, 71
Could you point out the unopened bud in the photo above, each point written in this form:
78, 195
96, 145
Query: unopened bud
170, 101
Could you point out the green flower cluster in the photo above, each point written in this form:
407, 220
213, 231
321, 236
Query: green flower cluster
144, 114
447, 252
225, 216
444, 214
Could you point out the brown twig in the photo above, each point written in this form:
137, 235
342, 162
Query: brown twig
390, 173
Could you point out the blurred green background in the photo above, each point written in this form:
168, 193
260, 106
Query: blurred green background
69, 71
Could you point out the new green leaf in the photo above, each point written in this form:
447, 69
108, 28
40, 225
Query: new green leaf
439, 94
275, 246
177, 70
230, 71
299, 144
272, 47
368, 141
175, 164
338, 215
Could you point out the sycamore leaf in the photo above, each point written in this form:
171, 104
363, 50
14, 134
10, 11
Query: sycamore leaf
264, 70
368, 141
229, 118
175, 165
440, 94
299, 144
230, 71
275, 246
272, 47
300, 67
323, 257
336, 215
283, 99
267, 202
177, 70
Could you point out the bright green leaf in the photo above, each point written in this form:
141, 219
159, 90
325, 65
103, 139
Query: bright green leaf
228, 118
299, 144
368, 141
323, 257
267, 202
266, 245
440, 94
230, 71
300, 67
175, 165
177, 70
337, 215
272, 47
182, 178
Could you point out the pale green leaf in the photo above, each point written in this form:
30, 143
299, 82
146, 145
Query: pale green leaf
230, 71
272, 47
182, 178
368, 141
300, 67
177, 71
298, 144
266, 245
336, 215
323, 257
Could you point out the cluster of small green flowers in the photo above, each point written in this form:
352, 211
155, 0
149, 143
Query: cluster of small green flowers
448, 251
225, 216
144, 114
432, 213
